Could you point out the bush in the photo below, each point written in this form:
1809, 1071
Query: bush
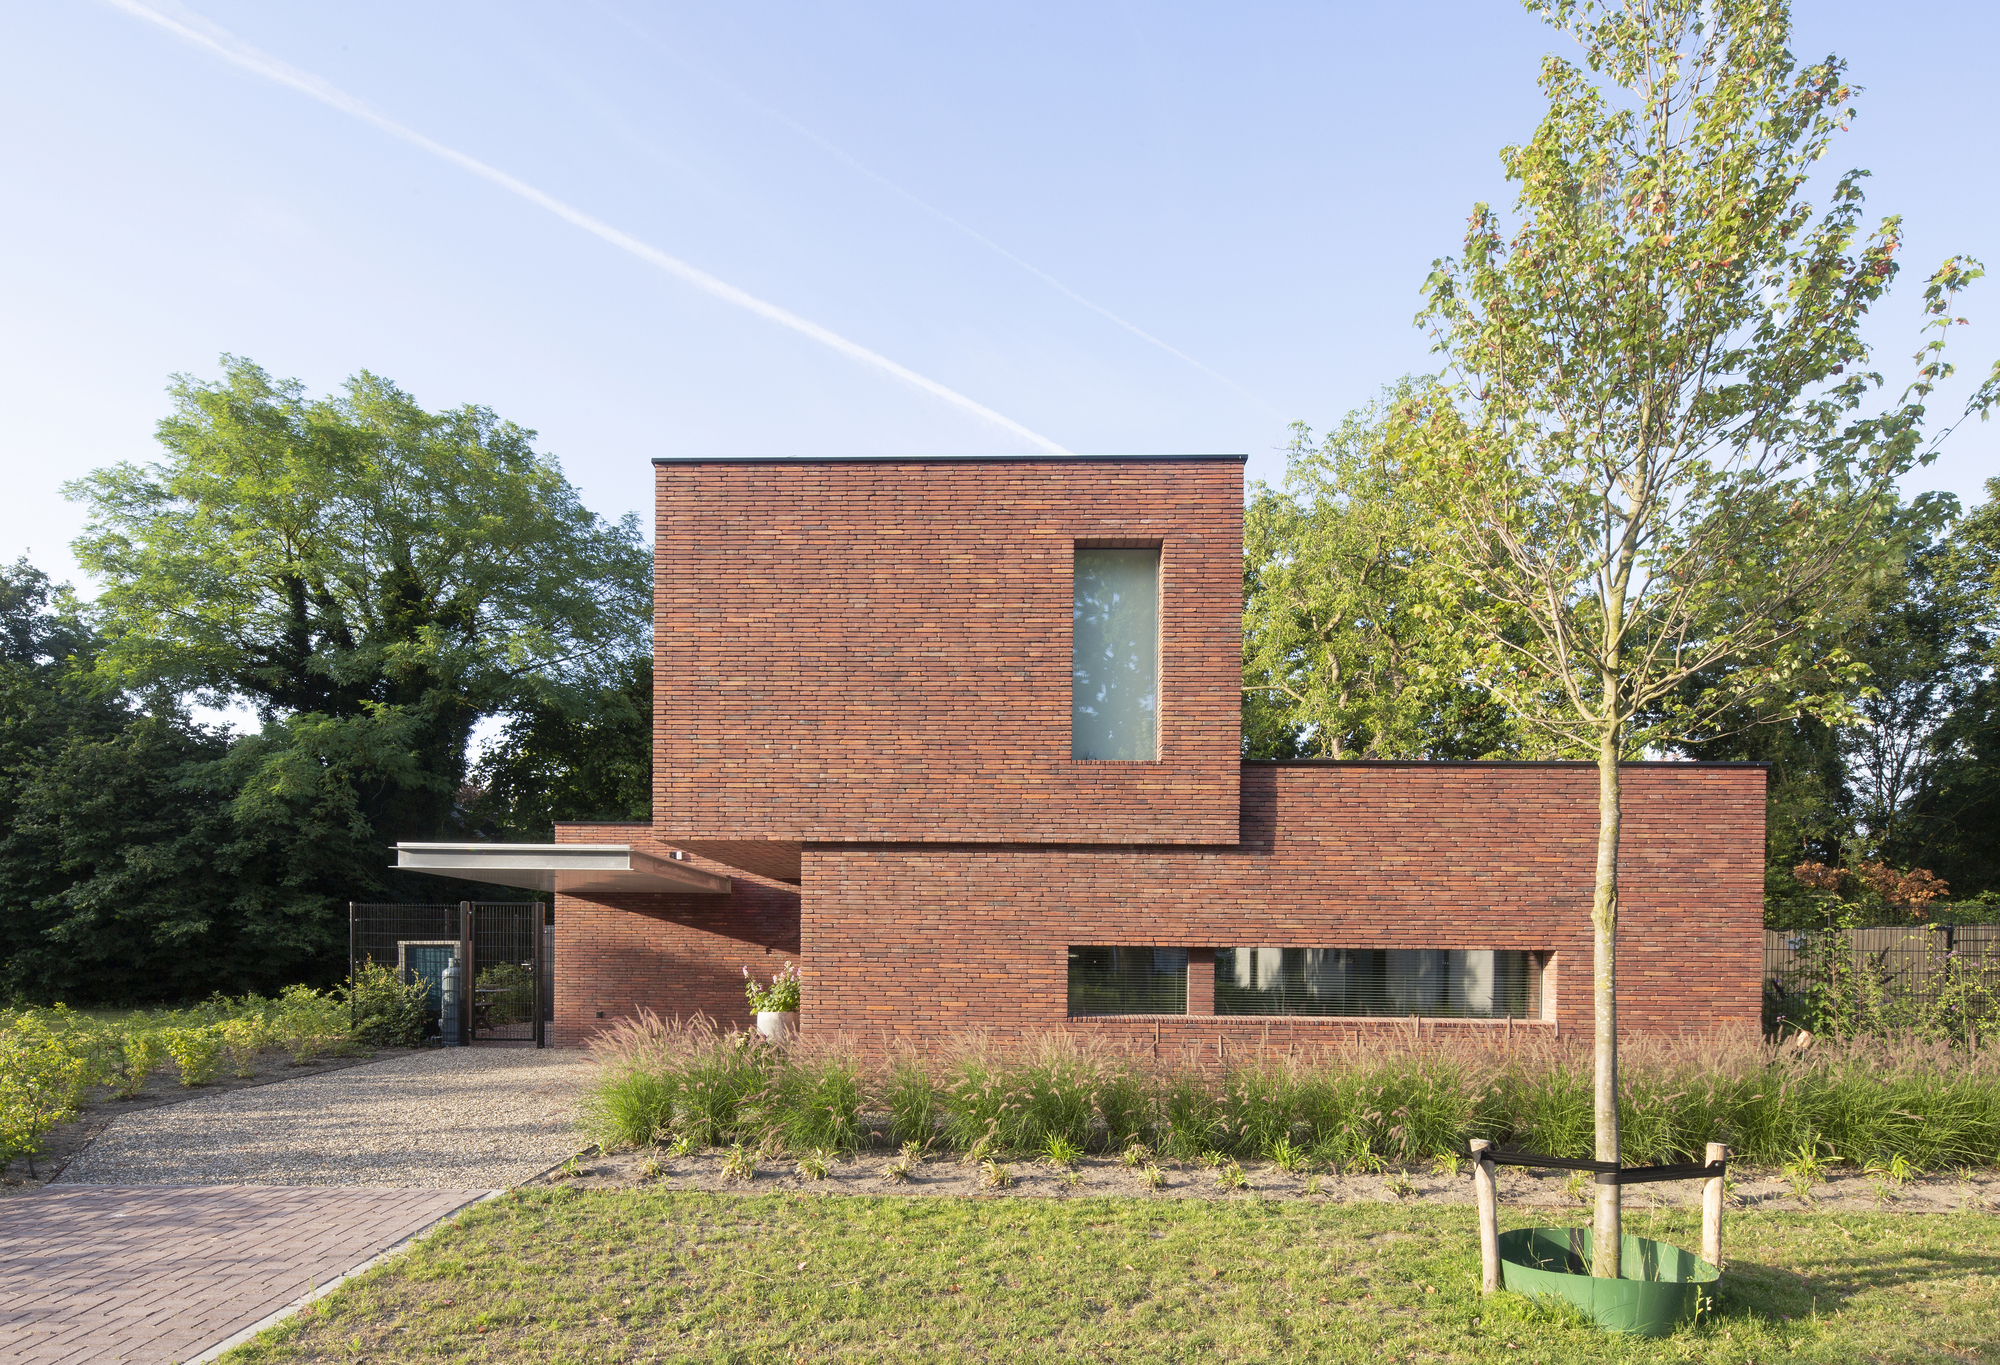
42, 1081
242, 1039
196, 1051
140, 1054
388, 1012
51, 1058
306, 1022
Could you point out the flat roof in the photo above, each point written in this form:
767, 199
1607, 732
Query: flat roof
1502, 763
950, 459
573, 869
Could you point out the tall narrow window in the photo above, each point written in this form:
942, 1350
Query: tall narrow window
1114, 695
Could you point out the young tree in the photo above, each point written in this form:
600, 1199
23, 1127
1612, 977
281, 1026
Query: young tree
1664, 461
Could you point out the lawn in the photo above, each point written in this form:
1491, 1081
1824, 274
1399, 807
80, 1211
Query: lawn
557, 1274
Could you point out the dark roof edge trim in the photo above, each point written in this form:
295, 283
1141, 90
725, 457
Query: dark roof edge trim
1500, 763
950, 459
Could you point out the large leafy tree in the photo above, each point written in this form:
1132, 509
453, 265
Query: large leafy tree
1349, 649
1666, 458
137, 857
360, 571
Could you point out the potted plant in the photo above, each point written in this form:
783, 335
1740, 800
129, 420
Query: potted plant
776, 1006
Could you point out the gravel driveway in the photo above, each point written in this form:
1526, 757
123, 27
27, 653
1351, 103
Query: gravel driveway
453, 1118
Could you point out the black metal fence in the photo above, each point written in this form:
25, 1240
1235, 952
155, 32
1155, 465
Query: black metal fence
1919, 965
501, 952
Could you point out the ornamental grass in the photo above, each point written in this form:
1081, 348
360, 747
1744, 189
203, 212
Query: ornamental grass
1346, 1106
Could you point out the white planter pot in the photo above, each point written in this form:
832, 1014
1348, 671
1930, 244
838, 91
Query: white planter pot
777, 1025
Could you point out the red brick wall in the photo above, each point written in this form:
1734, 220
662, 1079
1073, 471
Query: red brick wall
674, 955
881, 650
928, 940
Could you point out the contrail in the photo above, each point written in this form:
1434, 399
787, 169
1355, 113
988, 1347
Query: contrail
860, 168
231, 49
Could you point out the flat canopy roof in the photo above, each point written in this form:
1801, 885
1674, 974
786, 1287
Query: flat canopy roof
573, 869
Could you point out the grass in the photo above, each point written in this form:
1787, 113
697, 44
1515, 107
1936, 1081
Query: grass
1336, 1107
563, 1275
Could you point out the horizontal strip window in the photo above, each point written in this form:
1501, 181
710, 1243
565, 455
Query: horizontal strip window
1436, 983
1108, 980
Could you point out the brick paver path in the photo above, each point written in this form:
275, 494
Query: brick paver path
152, 1273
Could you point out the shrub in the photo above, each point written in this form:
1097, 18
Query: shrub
196, 1051
42, 1081
307, 1022
242, 1039
514, 1002
388, 1012
140, 1055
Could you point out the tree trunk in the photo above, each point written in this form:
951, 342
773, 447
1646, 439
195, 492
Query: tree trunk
1607, 1228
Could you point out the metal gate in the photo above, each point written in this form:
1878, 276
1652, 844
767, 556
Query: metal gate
485, 965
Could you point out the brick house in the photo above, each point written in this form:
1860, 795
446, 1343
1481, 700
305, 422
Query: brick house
961, 737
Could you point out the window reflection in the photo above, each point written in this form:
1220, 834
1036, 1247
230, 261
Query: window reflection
1115, 655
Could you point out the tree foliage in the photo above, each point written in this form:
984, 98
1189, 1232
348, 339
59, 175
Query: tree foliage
1907, 777
1666, 461
1951, 821
356, 562
133, 863
1349, 647
587, 761
372, 580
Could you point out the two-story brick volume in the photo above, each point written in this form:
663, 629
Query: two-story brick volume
962, 738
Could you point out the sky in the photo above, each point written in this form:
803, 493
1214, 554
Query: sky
820, 228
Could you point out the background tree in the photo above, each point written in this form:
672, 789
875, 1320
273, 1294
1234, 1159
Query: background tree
590, 760
132, 861
1951, 824
1349, 650
373, 580
1662, 462
354, 563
